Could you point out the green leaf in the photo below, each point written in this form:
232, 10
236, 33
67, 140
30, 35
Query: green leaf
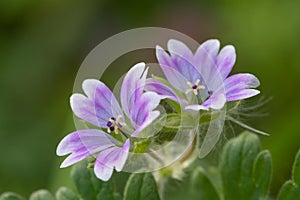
64, 193
89, 186
291, 189
141, 187
262, 171
41, 195
11, 196
202, 187
236, 166
296, 169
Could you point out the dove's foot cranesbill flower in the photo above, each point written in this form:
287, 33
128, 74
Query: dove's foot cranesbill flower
100, 108
203, 74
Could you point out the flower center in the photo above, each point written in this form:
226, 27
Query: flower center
194, 87
114, 124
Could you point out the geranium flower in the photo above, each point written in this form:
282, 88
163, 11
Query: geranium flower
100, 108
203, 75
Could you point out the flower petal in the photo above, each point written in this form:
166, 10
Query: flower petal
211, 47
149, 119
146, 103
205, 62
242, 94
99, 105
110, 158
181, 60
83, 143
216, 101
226, 60
176, 79
161, 89
241, 81
133, 86
178, 48
102, 171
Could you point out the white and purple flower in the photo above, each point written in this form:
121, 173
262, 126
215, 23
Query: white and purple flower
100, 108
203, 75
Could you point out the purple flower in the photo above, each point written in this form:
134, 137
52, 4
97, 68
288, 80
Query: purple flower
100, 108
203, 74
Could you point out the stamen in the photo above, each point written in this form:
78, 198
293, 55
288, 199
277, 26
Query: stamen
194, 87
114, 124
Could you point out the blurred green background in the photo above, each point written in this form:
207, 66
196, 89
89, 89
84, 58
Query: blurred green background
42, 44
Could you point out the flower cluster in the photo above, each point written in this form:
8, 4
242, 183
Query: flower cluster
196, 81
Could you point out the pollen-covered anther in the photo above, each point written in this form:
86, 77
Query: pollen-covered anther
194, 87
114, 124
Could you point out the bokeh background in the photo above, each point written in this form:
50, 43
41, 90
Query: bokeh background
42, 44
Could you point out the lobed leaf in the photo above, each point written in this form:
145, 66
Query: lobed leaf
64, 193
262, 171
11, 196
291, 189
141, 187
89, 186
246, 173
296, 169
41, 195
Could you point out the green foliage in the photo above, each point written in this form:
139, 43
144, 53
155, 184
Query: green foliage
89, 186
200, 179
246, 173
10, 196
141, 187
41, 195
291, 189
64, 193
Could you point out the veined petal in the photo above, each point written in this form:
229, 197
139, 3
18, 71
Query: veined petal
211, 47
83, 143
216, 101
146, 103
161, 89
148, 120
242, 94
181, 60
102, 95
176, 79
226, 60
178, 48
99, 105
133, 86
123, 155
205, 62
240, 81
109, 159
102, 171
